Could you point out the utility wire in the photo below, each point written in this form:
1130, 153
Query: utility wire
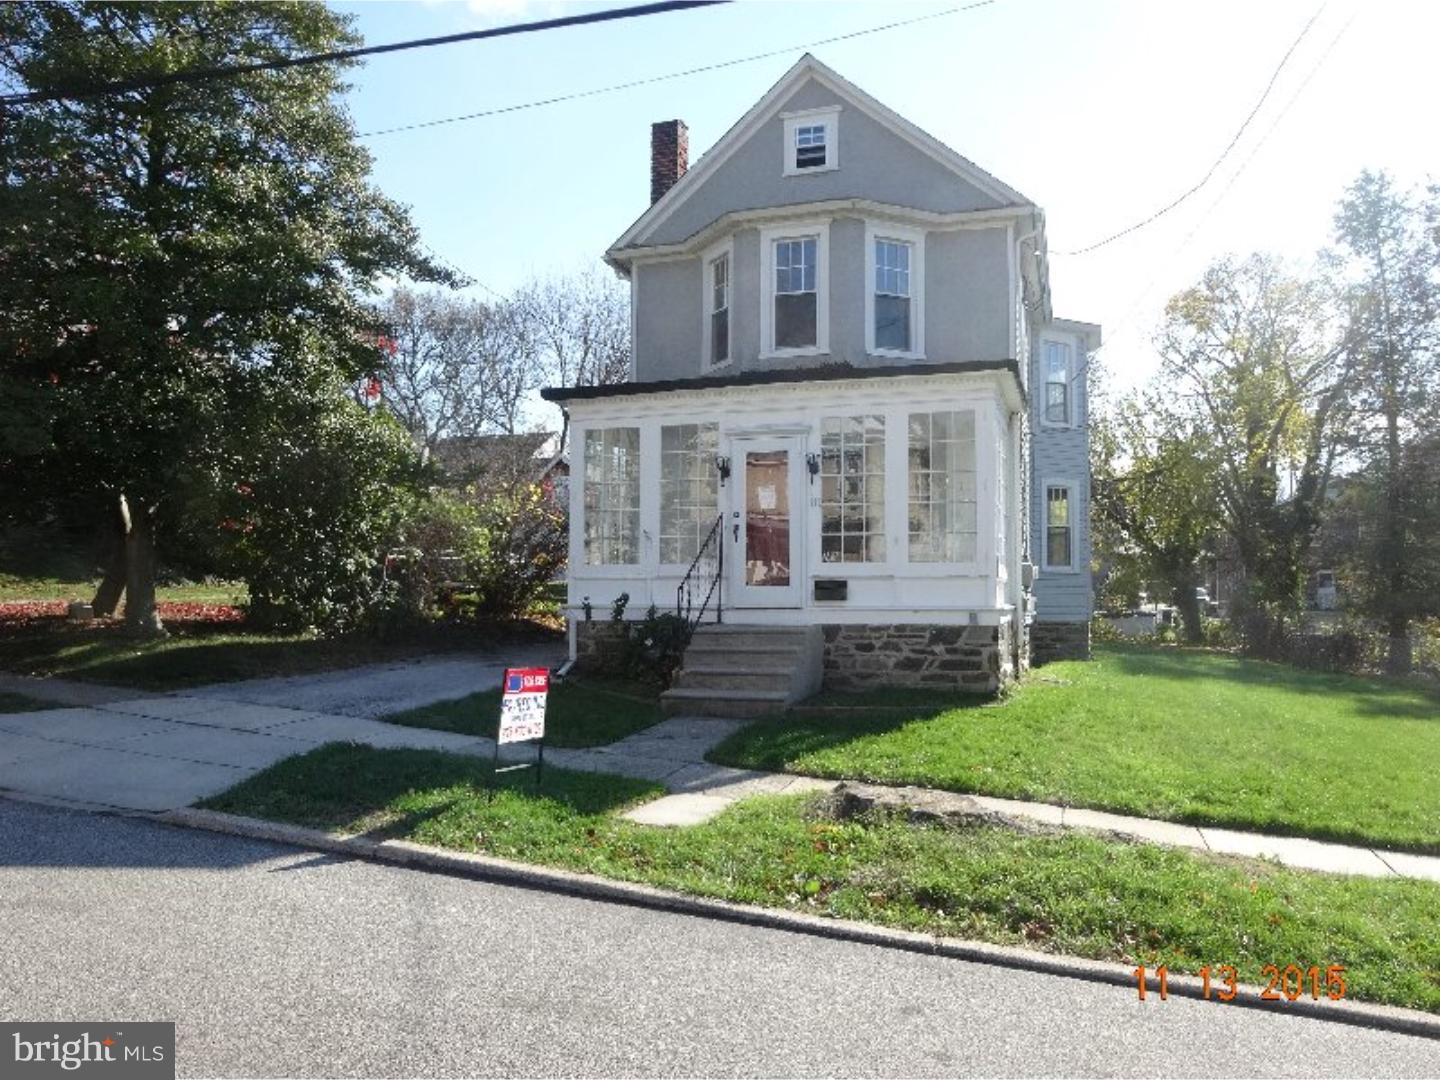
195, 75
674, 74
1155, 279
1274, 76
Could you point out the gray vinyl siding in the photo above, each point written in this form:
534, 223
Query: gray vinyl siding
875, 163
1060, 454
967, 305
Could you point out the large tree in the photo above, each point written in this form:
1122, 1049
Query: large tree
457, 368
1157, 507
1256, 357
1393, 256
171, 252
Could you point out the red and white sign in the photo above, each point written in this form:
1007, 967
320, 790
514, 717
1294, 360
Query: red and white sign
522, 704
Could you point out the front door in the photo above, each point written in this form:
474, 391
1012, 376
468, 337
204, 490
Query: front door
766, 522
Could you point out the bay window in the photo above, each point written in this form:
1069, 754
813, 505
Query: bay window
852, 489
942, 501
612, 496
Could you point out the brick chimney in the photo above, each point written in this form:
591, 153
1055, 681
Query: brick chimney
669, 156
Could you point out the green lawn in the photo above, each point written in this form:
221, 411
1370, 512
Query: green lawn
578, 712
15, 587
1071, 893
1189, 736
20, 703
196, 655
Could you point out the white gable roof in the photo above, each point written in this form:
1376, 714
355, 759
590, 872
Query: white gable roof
767, 108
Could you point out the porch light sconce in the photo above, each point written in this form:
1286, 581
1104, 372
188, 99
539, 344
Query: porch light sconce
812, 462
722, 466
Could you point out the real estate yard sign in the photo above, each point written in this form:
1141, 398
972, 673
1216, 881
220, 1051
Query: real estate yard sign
522, 705
522, 715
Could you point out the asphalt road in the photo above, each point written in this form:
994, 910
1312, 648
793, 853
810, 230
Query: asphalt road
277, 962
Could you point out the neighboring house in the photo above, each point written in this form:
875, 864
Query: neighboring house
844, 365
498, 461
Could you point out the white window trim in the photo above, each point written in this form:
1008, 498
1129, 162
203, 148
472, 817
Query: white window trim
1070, 410
820, 231
829, 118
916, 239
1074, 489
726, 248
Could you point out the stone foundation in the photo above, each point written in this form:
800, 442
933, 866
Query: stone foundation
600, 646
977, 659
1059, 641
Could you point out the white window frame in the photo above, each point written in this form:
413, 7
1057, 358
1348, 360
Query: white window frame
707, 461
639, 508
1055, 339
916, 239
827, 117
723, 250
819, 231
842, 565
1073, 490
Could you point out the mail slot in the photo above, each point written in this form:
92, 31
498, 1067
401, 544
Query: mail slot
831, 589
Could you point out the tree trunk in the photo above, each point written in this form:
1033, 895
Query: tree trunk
140, 615
112, 585
1397, 653
1190, 618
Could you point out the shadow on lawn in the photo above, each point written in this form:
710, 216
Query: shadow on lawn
1368, 697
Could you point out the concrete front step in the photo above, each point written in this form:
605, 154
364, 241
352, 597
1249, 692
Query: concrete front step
721, 679
730, 704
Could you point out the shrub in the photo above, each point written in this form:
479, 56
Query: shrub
526, 542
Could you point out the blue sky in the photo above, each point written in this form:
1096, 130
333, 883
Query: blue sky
1101, 111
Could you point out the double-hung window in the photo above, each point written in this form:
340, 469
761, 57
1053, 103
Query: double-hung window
689, 497
894, 301
797, 306
1059, 528
941, 468
719, 309
852, 489
811, 145
1056, 358
612, 496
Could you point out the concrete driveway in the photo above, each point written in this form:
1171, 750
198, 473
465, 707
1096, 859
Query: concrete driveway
161, 752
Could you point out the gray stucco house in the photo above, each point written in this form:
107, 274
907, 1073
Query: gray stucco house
852, 426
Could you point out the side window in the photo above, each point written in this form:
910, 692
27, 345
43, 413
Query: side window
719, 310
1059, 528
689, 498
612, 496
941, 472
1056, 359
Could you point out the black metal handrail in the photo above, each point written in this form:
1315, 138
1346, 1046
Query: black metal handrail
696, 577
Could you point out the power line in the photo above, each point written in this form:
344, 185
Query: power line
195, 75
1274, 76
674, 74
1155, 279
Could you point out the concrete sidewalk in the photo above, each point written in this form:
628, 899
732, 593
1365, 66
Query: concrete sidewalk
165, 752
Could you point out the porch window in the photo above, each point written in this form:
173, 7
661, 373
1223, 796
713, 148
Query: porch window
892, 296
689, 496
720, 309
942, 487
1059, 532
612, 496
852, 489
796, 298
1057, 382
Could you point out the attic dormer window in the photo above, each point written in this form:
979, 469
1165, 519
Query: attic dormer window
811, 143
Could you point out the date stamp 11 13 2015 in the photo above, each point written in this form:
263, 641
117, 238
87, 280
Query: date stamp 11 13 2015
1281, 984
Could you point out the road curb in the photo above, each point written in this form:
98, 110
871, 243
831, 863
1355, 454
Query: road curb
503, 871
